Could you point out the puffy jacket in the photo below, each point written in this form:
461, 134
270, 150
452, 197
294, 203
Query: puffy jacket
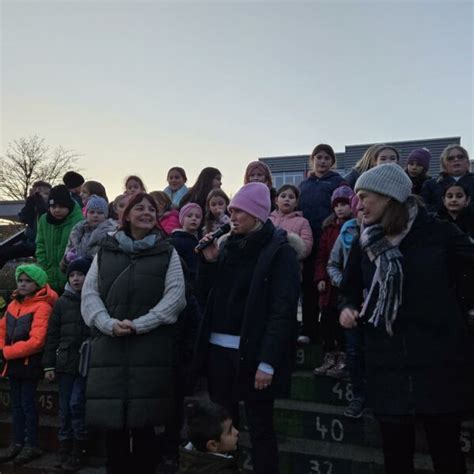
295, 223
130, 377
23, 332
84, 240
51, 241
192, 461
169, 221
328, 238
66, 332
315, 200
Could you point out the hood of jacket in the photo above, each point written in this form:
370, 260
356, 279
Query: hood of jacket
193, 461
45, 294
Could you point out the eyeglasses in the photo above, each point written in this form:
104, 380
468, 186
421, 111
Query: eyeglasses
455, 157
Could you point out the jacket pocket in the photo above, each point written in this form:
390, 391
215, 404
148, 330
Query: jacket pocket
63, 355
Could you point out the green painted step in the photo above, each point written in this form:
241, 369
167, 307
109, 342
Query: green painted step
326, 423
300, 456
309, 356
46, 396
306, 387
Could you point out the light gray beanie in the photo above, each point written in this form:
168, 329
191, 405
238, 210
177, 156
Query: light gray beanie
389, 180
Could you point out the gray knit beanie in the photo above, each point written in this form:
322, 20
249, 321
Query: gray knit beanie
389, 180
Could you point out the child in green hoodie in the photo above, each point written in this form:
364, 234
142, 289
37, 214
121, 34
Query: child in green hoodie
212, 440
53, 232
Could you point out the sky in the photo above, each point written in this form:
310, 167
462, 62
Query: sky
137, 87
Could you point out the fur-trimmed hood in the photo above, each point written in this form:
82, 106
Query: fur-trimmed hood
298, 244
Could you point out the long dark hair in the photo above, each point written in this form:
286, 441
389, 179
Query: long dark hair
209, 219
202, 187
137, 198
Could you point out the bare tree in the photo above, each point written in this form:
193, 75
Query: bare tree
28, 160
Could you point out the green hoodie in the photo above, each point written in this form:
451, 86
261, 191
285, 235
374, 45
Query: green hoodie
51, 241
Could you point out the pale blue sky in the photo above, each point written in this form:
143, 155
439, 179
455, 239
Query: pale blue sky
137, 87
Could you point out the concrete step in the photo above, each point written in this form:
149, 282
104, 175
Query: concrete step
320, 457
308, 356
327, 423
306, 387
46, 465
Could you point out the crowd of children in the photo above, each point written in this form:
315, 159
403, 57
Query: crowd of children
45, 336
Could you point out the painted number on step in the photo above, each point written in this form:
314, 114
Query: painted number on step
320, 467
4, 399
300, 357
247, 464
343, 391
46, 402
335, 429
466, 442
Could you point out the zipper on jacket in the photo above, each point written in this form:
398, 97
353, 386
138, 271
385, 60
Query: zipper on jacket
410, 378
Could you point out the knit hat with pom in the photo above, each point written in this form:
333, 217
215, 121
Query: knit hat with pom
342, 194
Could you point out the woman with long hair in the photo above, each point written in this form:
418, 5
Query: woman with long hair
208, 179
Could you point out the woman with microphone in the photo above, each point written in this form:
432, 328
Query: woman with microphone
246, 341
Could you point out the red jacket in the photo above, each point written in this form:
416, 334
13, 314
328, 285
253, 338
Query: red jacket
169, 221
23, 332
328, 237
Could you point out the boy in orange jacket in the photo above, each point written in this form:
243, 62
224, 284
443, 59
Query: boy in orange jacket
22, 337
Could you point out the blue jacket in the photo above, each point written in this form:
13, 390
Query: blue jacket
315, 200
433, 190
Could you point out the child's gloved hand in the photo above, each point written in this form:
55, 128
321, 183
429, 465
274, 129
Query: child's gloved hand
50, 375
71, 255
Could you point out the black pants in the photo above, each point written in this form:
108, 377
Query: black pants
331, 332
310, 306
131, 451
442, 433
223, 389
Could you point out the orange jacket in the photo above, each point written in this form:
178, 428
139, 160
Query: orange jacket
24, 326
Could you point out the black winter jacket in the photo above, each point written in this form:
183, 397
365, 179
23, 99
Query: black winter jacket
66, 332
426, 367
268, 331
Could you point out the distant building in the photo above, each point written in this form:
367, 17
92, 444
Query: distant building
293, 169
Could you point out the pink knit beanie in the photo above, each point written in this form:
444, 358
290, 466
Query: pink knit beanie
186, 208
254, 199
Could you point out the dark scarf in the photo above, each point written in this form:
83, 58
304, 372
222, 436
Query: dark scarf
388, 277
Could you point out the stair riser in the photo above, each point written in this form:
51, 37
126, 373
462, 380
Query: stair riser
292, 463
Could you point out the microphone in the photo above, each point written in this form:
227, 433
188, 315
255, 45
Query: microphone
215, 235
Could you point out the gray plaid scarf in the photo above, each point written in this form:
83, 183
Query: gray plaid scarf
388, 277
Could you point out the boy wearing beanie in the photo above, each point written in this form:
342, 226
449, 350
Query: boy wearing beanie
74, 181
54, 228
418, 164
62, 356
22, 337
85, 236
